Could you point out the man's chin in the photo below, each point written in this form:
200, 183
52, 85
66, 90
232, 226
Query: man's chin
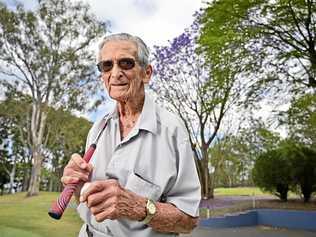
119, 97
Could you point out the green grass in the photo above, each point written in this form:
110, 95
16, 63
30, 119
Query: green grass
27, 217
244, 191
13, 232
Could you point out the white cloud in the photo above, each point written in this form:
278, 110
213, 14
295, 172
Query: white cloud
155, 21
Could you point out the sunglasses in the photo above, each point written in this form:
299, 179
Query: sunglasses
123, 63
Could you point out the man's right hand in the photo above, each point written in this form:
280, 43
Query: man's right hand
76, 171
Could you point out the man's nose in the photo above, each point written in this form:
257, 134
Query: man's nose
116, 71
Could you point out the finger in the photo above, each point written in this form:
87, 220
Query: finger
100, 207
84, 187
94, 187
83, 176
109, 213
78, 161
69, 180
97, 198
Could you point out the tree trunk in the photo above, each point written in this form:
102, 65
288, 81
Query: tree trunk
35, 174
38, 123
25, 184
51, 183
312, 73
26, 177
205, 194
12, 177
207, 189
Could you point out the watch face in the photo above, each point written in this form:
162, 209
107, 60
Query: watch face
151, 208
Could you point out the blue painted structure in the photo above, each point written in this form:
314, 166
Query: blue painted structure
303, 220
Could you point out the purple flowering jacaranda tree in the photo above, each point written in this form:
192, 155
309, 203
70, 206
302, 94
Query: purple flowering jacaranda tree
196, 91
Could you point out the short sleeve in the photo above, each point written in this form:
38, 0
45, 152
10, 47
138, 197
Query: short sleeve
185, 194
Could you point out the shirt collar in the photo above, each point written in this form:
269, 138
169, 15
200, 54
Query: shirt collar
148, 118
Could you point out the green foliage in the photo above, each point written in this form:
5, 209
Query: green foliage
65, 133
14, 147
275, 39
231, 160
233, 156
46, 52
271, 173
4, 164
4, 178
222, 26
286, 167
303, 169
301, 119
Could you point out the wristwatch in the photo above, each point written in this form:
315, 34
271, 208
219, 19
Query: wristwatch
150, 211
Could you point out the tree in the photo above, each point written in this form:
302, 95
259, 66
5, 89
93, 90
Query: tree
14, 131
66, 135
289, 165
231, 161
4, 166
234, 155
198, 92
271, 173
278, 38
47, 55
301, 120
3, 178
258, 138
303, 168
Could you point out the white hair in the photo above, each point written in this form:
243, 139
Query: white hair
142, 49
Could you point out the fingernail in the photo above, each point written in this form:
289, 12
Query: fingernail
81, 199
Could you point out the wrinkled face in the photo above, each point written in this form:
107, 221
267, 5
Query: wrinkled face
122, 82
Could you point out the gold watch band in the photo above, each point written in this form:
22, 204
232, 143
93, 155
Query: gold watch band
150, 211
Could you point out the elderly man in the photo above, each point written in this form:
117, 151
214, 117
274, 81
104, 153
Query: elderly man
142, 179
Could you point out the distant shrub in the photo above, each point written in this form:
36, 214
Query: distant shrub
271, 173
286, 167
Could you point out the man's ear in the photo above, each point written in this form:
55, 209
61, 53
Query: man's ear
148, 74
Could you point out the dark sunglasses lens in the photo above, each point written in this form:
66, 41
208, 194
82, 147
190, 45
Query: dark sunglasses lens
126, 63
105, 66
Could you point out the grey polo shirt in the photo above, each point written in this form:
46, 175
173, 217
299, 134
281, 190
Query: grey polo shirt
155, 161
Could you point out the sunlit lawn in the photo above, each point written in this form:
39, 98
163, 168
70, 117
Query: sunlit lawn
244, 191
27, 217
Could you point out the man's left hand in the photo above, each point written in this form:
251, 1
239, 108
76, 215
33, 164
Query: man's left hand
106, 199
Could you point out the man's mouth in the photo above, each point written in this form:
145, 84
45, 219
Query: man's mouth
119, 84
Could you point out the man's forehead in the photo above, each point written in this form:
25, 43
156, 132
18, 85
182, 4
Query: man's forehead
120, 45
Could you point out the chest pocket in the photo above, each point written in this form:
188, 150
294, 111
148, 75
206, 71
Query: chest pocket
142, 187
